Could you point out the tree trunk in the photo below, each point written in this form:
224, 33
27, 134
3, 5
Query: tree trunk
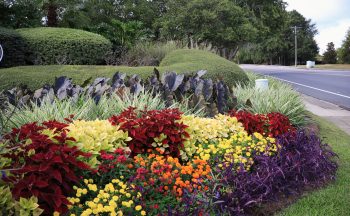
233, 53
52, 16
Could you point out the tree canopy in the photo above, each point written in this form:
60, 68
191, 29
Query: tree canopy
259, 30
344, 51
330, 55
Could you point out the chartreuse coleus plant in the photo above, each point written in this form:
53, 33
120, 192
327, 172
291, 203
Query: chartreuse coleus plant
96, 136
23, 207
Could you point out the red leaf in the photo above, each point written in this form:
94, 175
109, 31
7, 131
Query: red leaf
57, 175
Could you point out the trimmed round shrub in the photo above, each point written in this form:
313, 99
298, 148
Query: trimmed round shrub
36, 76
192, 60
14, 48
64, 46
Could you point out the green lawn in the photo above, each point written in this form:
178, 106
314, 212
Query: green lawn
334, 200
181, 61
330, 66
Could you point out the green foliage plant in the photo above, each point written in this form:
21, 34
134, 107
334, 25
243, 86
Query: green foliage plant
85, 108
217, 67
180, 61
23, 207
64, 46
14, 48
149, 53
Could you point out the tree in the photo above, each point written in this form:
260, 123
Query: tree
270, 18
219, 22
330, 55
344, 52
20, 13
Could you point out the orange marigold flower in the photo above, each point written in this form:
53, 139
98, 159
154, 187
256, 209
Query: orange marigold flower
195, 175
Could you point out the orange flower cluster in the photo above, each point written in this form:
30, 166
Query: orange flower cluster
168, 175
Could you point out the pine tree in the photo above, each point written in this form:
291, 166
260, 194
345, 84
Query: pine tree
330, 56
344, 53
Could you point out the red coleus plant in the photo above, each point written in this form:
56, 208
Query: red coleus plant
271, 124
43, 165
153, 129
278, 124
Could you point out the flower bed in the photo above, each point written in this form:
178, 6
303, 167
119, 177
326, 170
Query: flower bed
159, 162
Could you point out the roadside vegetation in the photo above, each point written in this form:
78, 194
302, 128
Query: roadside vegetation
333, 66
333, 199
280, 97
137, 108
180, 61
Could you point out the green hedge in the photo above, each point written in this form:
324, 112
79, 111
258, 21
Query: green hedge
183, 60
36, 76
14, 48
65, 46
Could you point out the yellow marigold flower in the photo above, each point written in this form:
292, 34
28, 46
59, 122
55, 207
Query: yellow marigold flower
56, 213
143, 212
99, 207
138, 207
87, 212
84, 191
126, 204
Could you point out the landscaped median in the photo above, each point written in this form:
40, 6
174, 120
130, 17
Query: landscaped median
159, 162
166, 145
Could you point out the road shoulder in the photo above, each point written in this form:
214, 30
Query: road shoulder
329, 111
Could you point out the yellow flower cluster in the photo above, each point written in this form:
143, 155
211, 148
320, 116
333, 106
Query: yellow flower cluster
94, 136
239, 148
116, 198
206, 130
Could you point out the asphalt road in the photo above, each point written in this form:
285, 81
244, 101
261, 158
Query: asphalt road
328, 85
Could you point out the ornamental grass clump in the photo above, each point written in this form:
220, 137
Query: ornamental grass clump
280, 97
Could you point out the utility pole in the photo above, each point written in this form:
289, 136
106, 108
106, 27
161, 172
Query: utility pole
296, 44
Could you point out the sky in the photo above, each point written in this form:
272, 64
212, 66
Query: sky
332, 18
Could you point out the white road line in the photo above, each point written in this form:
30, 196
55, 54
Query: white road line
329, 92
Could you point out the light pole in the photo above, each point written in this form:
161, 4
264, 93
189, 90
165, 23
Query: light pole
296, 44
